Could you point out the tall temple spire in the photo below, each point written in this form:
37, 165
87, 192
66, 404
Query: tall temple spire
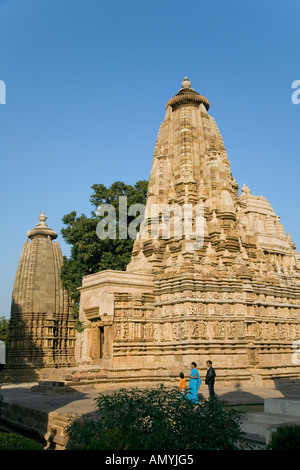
194, 169
229, 293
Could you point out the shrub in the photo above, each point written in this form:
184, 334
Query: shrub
9, 441
285, 438
156, 419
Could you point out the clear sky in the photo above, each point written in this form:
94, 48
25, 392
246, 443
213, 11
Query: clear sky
86, 86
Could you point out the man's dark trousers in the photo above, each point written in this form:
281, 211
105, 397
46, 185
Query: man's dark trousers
211, 390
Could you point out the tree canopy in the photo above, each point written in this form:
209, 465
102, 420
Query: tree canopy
4, 330
157, 419
90, 254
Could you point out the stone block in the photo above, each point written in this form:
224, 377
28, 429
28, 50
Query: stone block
282, 406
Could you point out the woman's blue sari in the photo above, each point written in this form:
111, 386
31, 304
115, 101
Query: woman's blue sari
194, 386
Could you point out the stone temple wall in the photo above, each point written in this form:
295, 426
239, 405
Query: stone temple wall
248, 341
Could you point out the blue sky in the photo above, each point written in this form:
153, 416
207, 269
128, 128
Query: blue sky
86, 86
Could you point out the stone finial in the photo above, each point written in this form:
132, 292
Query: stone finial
186, 83
42, 218
42, 229
187, 95
245, 189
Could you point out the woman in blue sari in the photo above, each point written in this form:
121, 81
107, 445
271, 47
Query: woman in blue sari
194, 385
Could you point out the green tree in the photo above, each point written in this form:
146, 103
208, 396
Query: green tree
90, 254
4, 329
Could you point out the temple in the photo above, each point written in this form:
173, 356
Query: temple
41, 333
226, 288
229, 292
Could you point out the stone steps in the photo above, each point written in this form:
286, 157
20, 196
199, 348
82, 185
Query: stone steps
270, 418
277, 412
51, 387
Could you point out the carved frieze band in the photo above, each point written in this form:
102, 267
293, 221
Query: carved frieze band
223, 329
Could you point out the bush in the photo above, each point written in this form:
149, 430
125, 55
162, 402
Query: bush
156, 419
285, 438
10, 441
